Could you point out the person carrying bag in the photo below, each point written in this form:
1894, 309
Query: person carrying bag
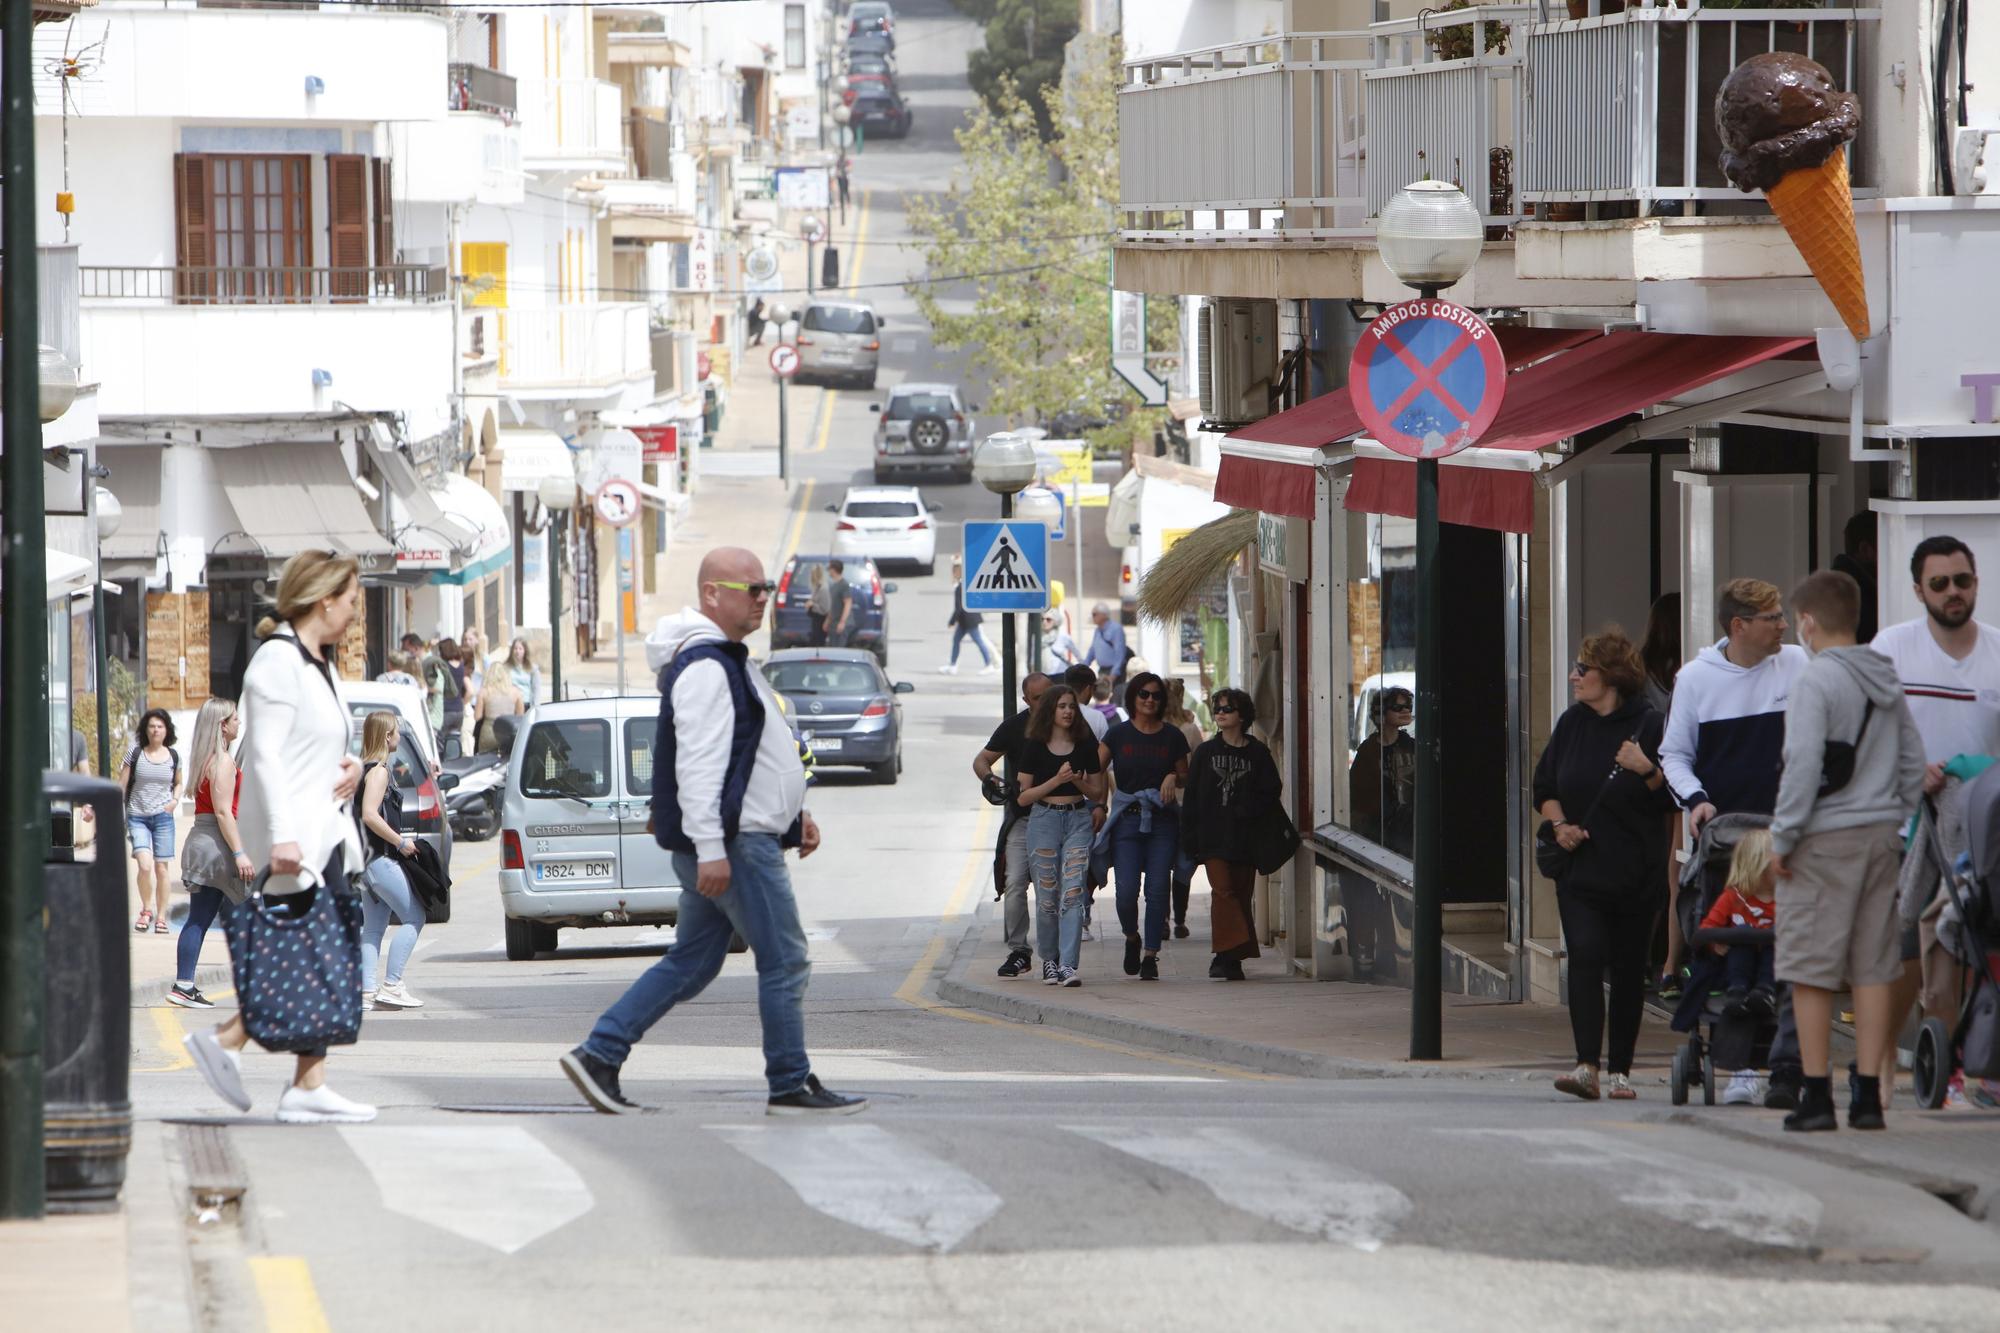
296, 961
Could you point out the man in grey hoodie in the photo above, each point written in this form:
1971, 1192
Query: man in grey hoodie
1836, 835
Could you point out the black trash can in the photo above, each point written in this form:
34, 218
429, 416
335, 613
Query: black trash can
87, 1021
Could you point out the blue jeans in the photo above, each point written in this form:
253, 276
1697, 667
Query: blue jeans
1748, 967
203, 903
1136, 853
960, 633
1059, 859
758, 905
152, 833
388, 893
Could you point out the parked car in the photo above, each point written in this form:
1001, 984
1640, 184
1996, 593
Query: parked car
871, 62
791, 626
417, 781
363, 697
882, 110
839, 340
923, 428
871, 18
885, 523
847, 709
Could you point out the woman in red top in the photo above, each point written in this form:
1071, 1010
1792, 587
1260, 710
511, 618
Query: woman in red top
213, 863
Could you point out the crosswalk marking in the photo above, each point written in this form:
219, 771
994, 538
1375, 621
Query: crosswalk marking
867, 1177
1313, 1197
1706, 1195
497, 1185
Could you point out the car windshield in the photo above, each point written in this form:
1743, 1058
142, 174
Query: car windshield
882, 509
568, 759
838, 319
856, 574
867, 63
821, 677
907, 406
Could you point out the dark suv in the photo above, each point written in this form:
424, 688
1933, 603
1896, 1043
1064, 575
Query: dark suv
791, 623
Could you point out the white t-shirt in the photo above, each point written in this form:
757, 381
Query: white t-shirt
1096, 721
1956, 704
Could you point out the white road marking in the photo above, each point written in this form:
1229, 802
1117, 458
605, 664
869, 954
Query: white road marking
1306, 1195
869, 1178
1706, 1195
497, 1185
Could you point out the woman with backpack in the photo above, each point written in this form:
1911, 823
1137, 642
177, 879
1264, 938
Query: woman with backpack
387, 887
214, 865
151, 777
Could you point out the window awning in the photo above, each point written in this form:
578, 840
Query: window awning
1258, 461
135, 480
472, 541
296, 497
528, 455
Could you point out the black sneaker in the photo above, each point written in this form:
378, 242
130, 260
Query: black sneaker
1761, 1005
1218, 968
1180, 930
598, 1082
1131, 955
1017, 962
1783, 1094
1149, 969
814, 1099
189, 997
1815, 1114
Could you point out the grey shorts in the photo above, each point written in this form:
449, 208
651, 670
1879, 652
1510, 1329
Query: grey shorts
1837, 918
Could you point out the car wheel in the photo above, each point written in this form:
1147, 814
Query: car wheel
520, 940
545, 937
869, 382
929, 434
928, 568
887, 771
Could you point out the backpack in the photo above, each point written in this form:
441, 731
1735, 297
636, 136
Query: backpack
132, 769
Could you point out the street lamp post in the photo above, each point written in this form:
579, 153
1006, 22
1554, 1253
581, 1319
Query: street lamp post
108, 514
1429, 235
1004, 465
558, 496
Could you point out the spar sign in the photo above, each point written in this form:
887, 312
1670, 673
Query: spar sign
1427, 378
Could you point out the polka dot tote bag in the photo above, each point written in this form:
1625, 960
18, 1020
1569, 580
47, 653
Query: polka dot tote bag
297, 966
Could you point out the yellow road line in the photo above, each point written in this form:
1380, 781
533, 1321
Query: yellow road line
285, 1290
828, 398
167, 1025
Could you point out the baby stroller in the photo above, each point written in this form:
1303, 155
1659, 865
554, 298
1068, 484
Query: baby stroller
1968, 930
1715, 1038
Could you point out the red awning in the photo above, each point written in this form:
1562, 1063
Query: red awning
1281, 486
1473, 497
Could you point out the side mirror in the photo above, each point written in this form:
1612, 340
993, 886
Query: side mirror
888, 587
904, 687
881, 323
445, 781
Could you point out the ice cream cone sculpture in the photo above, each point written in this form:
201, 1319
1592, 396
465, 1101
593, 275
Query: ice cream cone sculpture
1785, 131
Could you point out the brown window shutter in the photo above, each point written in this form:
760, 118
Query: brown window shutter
347, 225
194, 230
385, 216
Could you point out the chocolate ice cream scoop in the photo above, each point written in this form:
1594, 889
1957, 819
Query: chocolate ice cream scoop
1779, 113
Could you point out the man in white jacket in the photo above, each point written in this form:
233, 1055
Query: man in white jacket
728, 798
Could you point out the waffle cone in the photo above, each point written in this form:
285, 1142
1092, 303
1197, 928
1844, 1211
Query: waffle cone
1817, 207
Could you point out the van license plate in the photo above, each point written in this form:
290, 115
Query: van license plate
549, 871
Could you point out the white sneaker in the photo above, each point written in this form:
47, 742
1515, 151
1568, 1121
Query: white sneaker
1745, 1089
321, 1106
1089, 936
220, 1066
367, 1001
990, 669
948, 669
395, 997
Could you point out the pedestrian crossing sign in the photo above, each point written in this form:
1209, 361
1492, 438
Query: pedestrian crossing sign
1008, 567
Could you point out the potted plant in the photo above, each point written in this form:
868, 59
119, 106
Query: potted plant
1455, 42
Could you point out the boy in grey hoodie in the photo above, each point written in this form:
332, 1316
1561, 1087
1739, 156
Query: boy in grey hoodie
1838, 845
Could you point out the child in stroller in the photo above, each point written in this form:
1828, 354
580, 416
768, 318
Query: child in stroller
1730, 992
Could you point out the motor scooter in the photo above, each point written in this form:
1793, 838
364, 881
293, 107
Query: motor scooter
474, 804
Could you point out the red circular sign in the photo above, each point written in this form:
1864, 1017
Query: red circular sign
784, 361
1427, 378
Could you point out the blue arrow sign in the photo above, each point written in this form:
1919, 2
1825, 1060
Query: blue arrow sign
1007, 567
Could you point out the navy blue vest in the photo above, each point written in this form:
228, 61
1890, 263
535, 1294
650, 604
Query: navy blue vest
744, 736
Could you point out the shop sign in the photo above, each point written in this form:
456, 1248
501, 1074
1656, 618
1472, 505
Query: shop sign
661, 443
1281, 540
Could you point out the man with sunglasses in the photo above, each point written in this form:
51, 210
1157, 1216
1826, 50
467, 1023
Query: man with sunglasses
728, 799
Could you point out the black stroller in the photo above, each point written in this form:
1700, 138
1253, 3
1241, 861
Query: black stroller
1714, 1036
1968, 930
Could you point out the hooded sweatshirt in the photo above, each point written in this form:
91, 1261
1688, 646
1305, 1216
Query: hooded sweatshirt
1726, 731
1829, 699
704, 717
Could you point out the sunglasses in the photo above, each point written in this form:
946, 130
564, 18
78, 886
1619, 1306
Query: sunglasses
1581, 668
764, 589
1219, 707
1154, 695
1399, 706
1939, 582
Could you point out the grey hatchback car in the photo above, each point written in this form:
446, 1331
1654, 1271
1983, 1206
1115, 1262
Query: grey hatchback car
923, 428
839, 341
846, 710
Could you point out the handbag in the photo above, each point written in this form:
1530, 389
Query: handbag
1275, 840
297, 970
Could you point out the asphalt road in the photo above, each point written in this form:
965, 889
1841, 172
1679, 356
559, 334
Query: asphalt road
1005, 1175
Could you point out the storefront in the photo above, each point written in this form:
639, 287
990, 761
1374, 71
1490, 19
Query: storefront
455, 569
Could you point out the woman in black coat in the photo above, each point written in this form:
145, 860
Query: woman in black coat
1232, 782
1601, 795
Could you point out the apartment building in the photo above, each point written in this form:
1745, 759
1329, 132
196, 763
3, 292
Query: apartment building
1685, 407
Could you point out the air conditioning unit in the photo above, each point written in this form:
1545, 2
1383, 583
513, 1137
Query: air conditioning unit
1238, 359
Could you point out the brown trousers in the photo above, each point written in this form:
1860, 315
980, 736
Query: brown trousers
1233, 919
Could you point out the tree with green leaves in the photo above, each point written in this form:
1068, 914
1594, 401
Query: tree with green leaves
1023, 54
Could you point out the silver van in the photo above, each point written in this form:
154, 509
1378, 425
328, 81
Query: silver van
575, 848
839, 341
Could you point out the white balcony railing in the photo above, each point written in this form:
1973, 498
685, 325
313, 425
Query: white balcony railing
595, 345
1621, 106
1444, 102
571, 122
1258, 134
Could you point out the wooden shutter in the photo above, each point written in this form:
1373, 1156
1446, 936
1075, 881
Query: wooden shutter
194, 226
347, 225
385, 216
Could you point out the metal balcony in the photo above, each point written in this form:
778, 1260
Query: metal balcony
411, 284
476, 88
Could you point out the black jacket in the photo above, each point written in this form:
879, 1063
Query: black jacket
430, 881
1228, 786
1624, 861
960, 617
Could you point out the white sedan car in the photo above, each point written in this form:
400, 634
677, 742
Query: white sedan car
886, 524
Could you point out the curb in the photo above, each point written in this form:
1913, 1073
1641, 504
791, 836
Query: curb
147, 994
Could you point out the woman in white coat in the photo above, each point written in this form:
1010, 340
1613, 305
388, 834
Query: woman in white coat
297, 781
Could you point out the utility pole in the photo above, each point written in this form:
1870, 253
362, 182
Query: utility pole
24, 664
555, 603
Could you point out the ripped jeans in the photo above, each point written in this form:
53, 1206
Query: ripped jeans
1059, 863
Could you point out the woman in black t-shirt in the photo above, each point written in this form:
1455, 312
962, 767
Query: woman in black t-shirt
1148, 759
1059, 773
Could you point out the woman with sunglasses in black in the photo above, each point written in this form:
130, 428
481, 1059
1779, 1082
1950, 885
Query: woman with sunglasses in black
1232, 782
1148, 759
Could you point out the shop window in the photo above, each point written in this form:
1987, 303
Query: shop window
1381, 636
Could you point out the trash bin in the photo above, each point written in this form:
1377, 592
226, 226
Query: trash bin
87, 1016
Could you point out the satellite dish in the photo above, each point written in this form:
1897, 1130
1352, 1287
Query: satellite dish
761, 263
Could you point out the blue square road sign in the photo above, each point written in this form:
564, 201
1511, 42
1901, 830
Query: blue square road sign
1006, 566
